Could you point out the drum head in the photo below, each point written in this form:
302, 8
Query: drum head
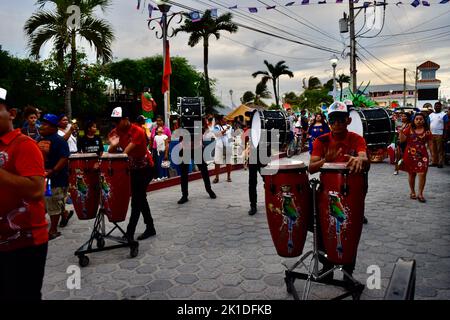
255, 132
83, 156
283, 164
334, 165
114, 156
356, 125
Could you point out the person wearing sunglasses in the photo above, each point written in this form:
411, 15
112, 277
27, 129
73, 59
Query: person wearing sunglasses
339, 145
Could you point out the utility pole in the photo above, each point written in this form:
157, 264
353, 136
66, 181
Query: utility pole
404, 87
415, 88
352, 45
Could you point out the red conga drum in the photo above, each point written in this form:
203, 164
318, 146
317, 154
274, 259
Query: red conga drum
340, 202
288, 205
84, 187
115, 185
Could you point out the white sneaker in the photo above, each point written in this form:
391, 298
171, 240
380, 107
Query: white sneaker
395, 173
158, 179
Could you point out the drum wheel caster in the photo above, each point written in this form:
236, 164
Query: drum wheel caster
100, 243
83, 261
134, 250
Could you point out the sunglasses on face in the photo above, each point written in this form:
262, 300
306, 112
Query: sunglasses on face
337, 119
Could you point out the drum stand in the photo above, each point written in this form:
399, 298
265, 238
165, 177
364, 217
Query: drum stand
352, 286
99, 234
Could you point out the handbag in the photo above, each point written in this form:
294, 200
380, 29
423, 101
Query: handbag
165, 164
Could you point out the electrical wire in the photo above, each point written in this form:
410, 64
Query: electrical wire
318, 47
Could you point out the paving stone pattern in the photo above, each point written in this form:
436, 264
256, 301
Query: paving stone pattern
212, 249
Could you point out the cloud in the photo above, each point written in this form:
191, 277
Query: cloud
232, 63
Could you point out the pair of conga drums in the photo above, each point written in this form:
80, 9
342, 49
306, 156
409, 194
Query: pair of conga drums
339, 204
104, 180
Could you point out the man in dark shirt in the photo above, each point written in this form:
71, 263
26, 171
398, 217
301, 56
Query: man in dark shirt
56, 153
90, 142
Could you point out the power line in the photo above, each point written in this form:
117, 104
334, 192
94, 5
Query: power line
264, 32
271, 53
420, 31
259, 21
386, 64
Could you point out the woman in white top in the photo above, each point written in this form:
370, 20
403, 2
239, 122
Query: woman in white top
223, 133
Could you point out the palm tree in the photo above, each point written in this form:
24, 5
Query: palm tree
274, 74
202, 30
261, 92
55, 25
341, 79
313, 83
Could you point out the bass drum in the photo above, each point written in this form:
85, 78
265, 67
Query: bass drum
264, 122
374, 125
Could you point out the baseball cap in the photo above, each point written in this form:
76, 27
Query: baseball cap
337, 107
118, 112
6, 99
51, 119
348, 102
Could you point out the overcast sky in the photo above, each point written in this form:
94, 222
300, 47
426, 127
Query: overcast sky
235, 57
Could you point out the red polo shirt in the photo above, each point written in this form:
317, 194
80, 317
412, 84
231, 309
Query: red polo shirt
135, 135
22, 222
352, 144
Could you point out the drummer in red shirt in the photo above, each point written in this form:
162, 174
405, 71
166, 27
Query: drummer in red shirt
131, 139
339, 145
23, 227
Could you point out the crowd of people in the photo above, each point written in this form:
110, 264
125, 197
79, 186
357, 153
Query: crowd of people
34, 176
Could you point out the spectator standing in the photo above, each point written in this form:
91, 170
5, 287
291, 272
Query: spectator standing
31, 127
56, 153
223, 132
23, 249
90, 142
68, 132
166, 131
437, 130
162, 152
415, 158
318, 128
400, 146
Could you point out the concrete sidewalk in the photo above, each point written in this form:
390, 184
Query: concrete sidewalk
212, 249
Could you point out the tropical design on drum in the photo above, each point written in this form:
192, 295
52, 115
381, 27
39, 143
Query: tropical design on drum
81, 189
289, 211
106, 191
339, 215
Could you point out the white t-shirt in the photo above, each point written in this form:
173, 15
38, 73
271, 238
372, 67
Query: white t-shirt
72, 141
161, 142
437, 123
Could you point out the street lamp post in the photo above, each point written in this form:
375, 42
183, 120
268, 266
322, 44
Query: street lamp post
333, 62
390, 97
164, 8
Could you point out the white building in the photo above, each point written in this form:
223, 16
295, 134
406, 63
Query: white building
427, 85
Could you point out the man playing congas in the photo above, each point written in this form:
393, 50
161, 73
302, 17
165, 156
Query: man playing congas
339, 145
130, 139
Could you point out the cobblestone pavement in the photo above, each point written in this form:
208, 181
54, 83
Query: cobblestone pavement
212, 249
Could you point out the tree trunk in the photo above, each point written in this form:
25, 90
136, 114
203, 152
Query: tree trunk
69, 78
274, 81
208, 106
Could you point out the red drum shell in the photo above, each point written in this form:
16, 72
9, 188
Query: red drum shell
115, 186
287, 219
340, 202
84, 187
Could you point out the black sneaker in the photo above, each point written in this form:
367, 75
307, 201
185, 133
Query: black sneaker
183, 200
65, 220
440, 166
211, 193
252, 211
365, 221
149, 232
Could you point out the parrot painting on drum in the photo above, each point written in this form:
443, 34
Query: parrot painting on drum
338, 212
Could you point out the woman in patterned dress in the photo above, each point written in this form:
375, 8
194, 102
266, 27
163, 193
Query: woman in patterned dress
316, 129
415, 157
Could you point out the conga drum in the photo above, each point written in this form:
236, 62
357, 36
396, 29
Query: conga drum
84, 187
288, 205
340, 204
115, 185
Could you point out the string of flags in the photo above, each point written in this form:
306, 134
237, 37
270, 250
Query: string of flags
196, 15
